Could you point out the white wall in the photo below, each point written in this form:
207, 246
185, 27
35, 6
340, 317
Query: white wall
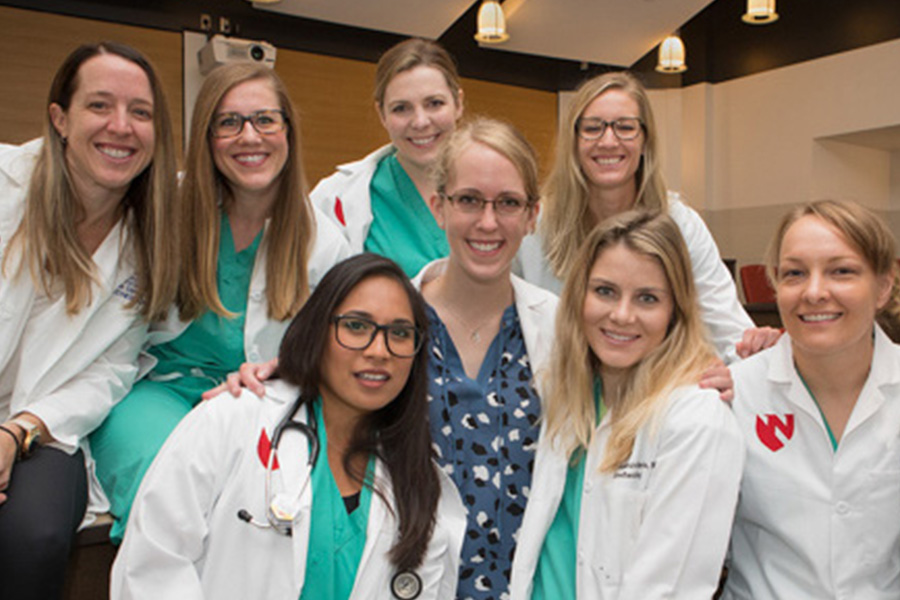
744, 150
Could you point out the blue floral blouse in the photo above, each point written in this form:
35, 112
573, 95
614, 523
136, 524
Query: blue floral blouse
485, 435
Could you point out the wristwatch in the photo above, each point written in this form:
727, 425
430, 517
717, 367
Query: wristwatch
32, 436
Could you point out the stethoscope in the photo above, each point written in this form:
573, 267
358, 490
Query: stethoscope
281, 508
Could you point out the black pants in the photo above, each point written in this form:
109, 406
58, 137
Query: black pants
47, 496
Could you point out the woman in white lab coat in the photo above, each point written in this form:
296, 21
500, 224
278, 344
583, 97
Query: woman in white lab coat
87, 244
361, 512
380, 202
818, 516
637, 472
607, 162
253, 248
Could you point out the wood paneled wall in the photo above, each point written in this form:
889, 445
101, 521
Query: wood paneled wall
33, 44
333, 95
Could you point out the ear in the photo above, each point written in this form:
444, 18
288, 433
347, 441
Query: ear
460, 103
436, 204
885, 287
533, 219
380, 113
58, 118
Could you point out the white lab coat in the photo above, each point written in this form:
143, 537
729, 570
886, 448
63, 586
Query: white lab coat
262, 335
185, 540
345, 199
72, 369
537, 313
814, 523
722, 312
657, 527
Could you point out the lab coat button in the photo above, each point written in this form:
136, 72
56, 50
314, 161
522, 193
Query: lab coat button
257, 296
254, 357
842, 508
580, 557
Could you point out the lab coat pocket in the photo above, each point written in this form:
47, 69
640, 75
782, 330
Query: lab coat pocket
621, 511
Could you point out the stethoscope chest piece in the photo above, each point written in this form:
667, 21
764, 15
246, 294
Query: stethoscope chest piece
406, 585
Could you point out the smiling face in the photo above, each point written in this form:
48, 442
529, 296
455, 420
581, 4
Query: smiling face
609, 163
251, 162
483, 244
419, 112
627, 309
826, 291
108, 126
357, 382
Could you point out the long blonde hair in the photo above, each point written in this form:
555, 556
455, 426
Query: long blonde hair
862, 229
290, 232
678, 360
567, 220
47, 236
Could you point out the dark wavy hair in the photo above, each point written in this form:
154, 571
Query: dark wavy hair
398, 433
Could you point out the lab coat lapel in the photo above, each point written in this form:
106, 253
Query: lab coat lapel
783, 373
49, 345
885, 372
379, 538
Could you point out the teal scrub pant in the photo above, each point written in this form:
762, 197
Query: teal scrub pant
125, 445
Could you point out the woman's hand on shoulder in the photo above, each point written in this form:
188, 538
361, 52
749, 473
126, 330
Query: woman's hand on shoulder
250, 376
718, 377
757, 339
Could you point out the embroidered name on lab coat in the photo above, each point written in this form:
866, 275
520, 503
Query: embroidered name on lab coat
263, 448
128, 289
634, 470
767, 429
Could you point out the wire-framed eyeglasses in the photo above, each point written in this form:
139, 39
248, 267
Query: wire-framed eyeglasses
353, 332
472, 202
231, 124
625, 128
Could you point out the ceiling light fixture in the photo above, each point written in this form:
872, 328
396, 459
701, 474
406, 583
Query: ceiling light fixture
671, 56
491, 23
760, 12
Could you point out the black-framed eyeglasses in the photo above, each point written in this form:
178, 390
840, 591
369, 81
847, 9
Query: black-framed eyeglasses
625, 128
504, 205
357, 333
265, 122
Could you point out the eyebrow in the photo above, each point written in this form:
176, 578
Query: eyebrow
363, 314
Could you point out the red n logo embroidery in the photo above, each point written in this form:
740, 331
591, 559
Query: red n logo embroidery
263, 448
339, 211
766, 430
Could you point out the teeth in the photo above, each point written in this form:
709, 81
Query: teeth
612, 160
115, 152
818, 318
372, 376
423, 141
619, 337
485, 246
250, 159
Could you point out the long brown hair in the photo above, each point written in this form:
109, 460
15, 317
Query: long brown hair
567, 221
290, 232
398, 433
47, 234
678, 360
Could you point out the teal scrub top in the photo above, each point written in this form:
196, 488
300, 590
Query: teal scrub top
336, 539
403, 228
213, 346
554, 577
